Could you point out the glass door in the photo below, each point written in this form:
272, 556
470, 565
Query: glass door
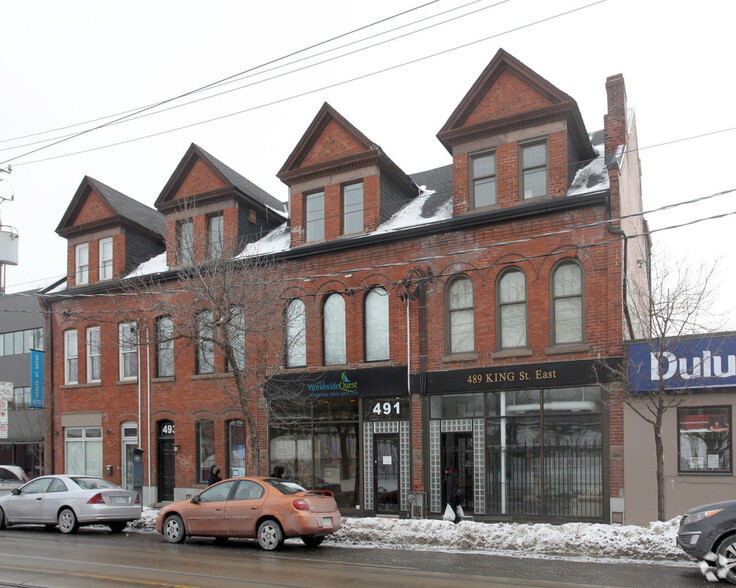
386, 476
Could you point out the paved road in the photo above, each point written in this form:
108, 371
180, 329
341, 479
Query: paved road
32, 557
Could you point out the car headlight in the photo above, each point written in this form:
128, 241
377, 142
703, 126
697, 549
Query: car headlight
699, 516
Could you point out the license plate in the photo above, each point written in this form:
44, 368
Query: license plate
120, 500
326, 521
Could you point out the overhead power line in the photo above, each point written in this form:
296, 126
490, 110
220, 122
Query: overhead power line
293, 96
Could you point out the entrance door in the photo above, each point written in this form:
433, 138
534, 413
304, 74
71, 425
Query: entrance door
457, 451
130, 442
386, 477
166, 462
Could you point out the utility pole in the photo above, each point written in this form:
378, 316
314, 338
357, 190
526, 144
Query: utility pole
8, 234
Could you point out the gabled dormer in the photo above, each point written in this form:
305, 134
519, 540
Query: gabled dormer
108, 233
514, 138
213, 211
340, 182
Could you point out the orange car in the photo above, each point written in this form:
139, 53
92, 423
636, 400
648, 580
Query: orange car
269, 509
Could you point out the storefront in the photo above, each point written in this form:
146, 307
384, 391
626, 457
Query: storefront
528, 442
699, 375
346, 431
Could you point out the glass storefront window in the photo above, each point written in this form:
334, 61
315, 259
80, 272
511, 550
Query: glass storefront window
545, 458
456, 406
335, 461
705, 440
83, 451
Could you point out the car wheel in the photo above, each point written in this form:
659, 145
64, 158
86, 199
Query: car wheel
726, 559
68, 521
270, 535
173, 529
117, 526
2, 519
312, 541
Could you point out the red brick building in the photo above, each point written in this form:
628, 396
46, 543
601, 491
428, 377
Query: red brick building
453, 316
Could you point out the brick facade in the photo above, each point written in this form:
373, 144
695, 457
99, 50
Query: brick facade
508, 106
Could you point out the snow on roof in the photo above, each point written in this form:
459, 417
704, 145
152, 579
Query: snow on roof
277, 240
154, 265
592, 177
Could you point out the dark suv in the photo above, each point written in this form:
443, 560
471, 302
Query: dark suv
708, 533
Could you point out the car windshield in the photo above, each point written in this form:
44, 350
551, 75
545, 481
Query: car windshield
285, 487
94, 484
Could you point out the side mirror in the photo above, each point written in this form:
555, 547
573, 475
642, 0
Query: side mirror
15, 491
195, 499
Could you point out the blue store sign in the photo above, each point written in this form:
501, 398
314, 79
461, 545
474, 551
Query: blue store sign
687, 364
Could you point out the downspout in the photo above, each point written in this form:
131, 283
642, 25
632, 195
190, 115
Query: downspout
625, 237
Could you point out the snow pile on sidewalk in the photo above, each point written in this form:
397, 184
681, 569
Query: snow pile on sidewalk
656, 542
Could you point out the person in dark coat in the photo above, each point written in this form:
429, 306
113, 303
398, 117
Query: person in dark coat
214, 476
451, 489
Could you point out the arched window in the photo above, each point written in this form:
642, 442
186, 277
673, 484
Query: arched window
511, 312
460, 315
296, 334
567, 303
376, 325
334, 330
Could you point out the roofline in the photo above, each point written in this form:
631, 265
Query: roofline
554, 205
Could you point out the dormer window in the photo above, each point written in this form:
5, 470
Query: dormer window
82, 262
315, 225
106, 259
352, 205
185, 242
533, 169
215, 236
483, 179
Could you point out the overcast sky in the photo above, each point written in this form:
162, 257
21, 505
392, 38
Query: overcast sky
79, 61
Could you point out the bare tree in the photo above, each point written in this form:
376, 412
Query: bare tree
231, 313
669, 312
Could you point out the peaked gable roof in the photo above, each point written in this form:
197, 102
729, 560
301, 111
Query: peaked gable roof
225, 174
331, 142
117, 207
481, 112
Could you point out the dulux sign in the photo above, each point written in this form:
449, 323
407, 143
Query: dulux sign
686, 364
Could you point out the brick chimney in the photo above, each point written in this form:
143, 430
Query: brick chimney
615, 120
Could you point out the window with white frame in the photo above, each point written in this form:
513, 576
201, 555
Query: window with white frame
567, 303
185, 242
352, 205
215, 235
376, 325
483, 179
70, 358
534, 169
94, 358
205, 363
82, 262
83, 451
128, 345
511, 300
460, 315
315, 216
164, 347
296, 334
106, 259
334, 330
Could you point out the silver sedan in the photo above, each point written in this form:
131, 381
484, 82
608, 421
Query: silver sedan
70, 501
